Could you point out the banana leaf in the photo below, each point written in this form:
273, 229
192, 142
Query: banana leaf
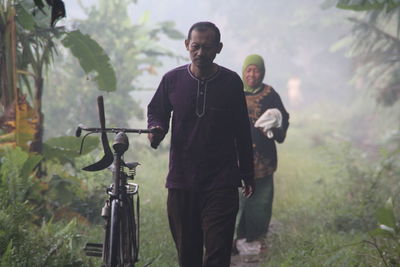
92, 58
19, 122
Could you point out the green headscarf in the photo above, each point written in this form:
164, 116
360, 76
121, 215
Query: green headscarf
259, 62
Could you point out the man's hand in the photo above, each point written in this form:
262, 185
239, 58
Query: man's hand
156, 136
248, 188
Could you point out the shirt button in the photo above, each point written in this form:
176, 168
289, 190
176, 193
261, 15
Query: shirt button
201, 93
202, 82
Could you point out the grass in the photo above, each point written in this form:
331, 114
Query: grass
306, 191
156, 240
317, 220
325, 199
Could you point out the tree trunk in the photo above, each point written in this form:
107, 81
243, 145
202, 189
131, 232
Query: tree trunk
8, 58
37, 142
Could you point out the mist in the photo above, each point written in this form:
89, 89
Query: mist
300, 41
339, 163
296, 39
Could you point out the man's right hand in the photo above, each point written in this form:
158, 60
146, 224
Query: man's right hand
248, 188
156, 136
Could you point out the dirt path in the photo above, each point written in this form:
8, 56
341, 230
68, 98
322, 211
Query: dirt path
237, 261
256, 260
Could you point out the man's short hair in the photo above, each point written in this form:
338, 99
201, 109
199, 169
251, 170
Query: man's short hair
203, 26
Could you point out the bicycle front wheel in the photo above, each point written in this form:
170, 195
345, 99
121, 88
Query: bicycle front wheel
129, 233
114, 239
122, 234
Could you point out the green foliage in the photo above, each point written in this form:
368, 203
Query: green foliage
31, 162
26, 239
315, 178
386, 238
326, 200
364, 5
39, 46
330, 194
92, 58
65, 149
134, 48
6, 259
385, 215
167, 27
156, 243
51, 244
25, 19
15, 173
374, 47
32, 230
29, 46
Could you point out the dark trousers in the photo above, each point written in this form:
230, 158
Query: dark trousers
255, 213
203, 220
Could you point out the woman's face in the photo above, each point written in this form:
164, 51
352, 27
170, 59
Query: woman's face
252, 76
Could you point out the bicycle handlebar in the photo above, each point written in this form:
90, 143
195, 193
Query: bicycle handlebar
103, 129
82, 127
108, 155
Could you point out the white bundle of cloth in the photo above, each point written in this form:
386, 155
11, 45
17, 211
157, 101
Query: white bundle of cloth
271, 118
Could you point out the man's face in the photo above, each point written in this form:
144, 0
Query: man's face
252, 76
203, 48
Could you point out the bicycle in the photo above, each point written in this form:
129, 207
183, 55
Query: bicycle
121, 239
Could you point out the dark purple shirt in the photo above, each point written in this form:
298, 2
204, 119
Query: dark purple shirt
211, 144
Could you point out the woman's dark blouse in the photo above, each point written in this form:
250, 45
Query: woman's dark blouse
210, 132
265, 156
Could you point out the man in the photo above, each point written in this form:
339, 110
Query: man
211, 150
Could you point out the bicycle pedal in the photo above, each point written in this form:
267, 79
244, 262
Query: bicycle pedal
93, 249
94, 254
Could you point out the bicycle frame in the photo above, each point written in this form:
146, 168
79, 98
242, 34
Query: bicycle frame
121, 240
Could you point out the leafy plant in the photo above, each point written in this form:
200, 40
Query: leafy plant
374, 46
92, 58
367, 5
37, 227
29, 45
16, 173
66, 149
135, 47
386, 238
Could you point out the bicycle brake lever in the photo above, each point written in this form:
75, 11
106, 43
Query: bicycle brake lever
83, 141
78, 132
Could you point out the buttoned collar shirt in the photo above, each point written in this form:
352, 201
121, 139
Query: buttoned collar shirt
211, 143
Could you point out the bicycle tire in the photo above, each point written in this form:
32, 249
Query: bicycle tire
121, 236
106, 239
128, 237
114, 238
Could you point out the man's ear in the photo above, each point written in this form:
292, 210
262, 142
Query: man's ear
187, 44
220, 45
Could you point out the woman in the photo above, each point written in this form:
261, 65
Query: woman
262, 101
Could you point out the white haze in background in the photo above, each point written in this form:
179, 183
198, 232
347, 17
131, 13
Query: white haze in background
305, 63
